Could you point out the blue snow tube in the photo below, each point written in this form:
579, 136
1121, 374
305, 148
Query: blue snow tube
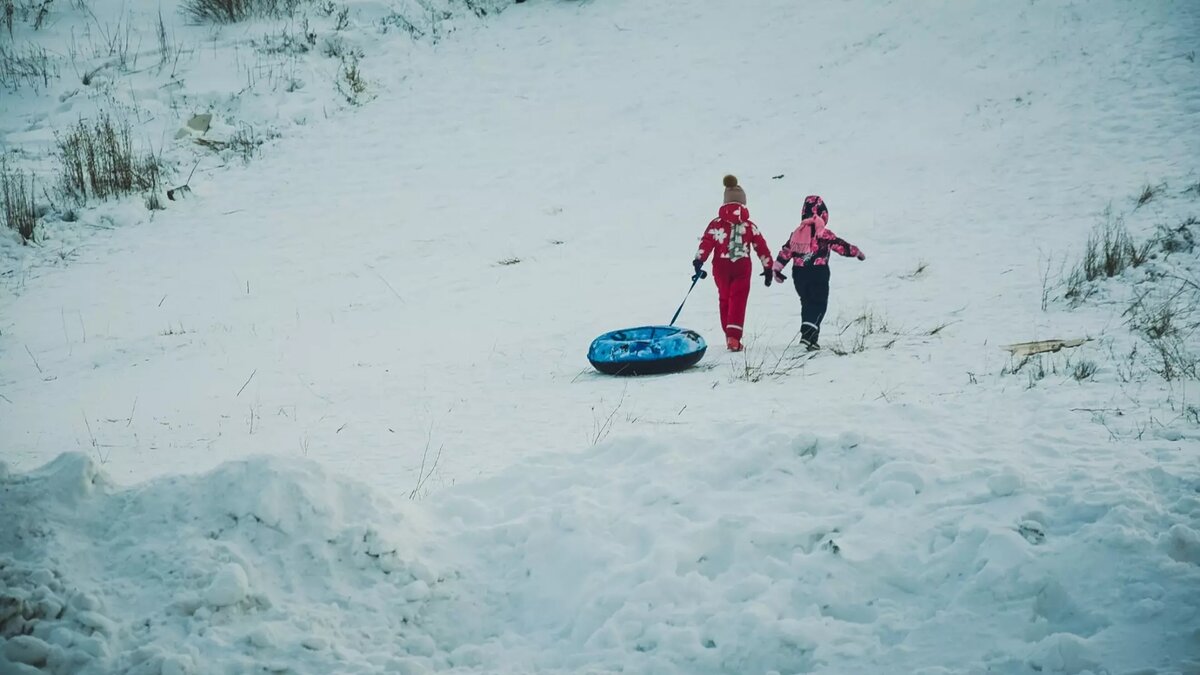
646, 350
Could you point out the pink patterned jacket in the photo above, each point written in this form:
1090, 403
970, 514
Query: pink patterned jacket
810, 244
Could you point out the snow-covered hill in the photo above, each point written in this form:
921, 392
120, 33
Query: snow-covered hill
153, 67
403, 294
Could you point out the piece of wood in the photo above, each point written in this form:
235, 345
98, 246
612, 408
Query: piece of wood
1022, 349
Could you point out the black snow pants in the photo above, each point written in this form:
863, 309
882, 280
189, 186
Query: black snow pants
812, 285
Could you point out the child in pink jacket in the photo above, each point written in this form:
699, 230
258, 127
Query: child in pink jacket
808, 250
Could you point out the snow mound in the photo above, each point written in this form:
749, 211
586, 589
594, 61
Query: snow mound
259, 563
760, 550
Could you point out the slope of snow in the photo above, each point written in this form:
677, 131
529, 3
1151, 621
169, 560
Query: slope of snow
406, 296
259, 79
351, 279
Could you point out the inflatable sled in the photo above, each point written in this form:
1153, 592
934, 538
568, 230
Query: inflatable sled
647, 350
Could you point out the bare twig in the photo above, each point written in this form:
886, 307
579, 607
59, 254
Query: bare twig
95, 445
422, 476
35, 361
193, 171
920, 269
1185, 280
1046, 286
247, 383
385, 283
313, 391
602, 429
940, 327
783, 353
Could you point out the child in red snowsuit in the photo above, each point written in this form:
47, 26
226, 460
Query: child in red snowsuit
808, 251
729, 238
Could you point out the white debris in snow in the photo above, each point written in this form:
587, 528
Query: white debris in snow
229, 586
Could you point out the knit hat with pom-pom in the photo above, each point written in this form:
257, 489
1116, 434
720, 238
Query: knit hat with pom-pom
733, 191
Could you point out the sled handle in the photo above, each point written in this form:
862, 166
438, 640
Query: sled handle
695, 280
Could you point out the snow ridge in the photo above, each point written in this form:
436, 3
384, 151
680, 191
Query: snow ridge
224, 572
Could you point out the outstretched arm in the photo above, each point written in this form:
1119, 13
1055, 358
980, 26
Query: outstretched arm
841, 246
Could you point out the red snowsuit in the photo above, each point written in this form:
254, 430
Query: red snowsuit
729, 238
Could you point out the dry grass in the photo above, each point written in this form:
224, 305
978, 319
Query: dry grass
97, 161
1168, 322
33, 12
755, 365
20, 211
1179, 238
351, 82
1084, 370
919, 271
861, 330
31, 68
233, 11
1109, 252
1149, 192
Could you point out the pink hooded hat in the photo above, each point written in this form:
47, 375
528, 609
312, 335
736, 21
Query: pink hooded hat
814, 218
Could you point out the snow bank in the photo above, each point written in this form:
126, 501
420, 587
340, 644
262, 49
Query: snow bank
259, 564
766, 551
761, 551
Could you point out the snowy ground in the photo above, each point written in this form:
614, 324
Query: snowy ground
342, 307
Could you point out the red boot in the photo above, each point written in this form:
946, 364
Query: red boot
733, 344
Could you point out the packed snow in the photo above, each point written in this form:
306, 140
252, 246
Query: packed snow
332, 412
